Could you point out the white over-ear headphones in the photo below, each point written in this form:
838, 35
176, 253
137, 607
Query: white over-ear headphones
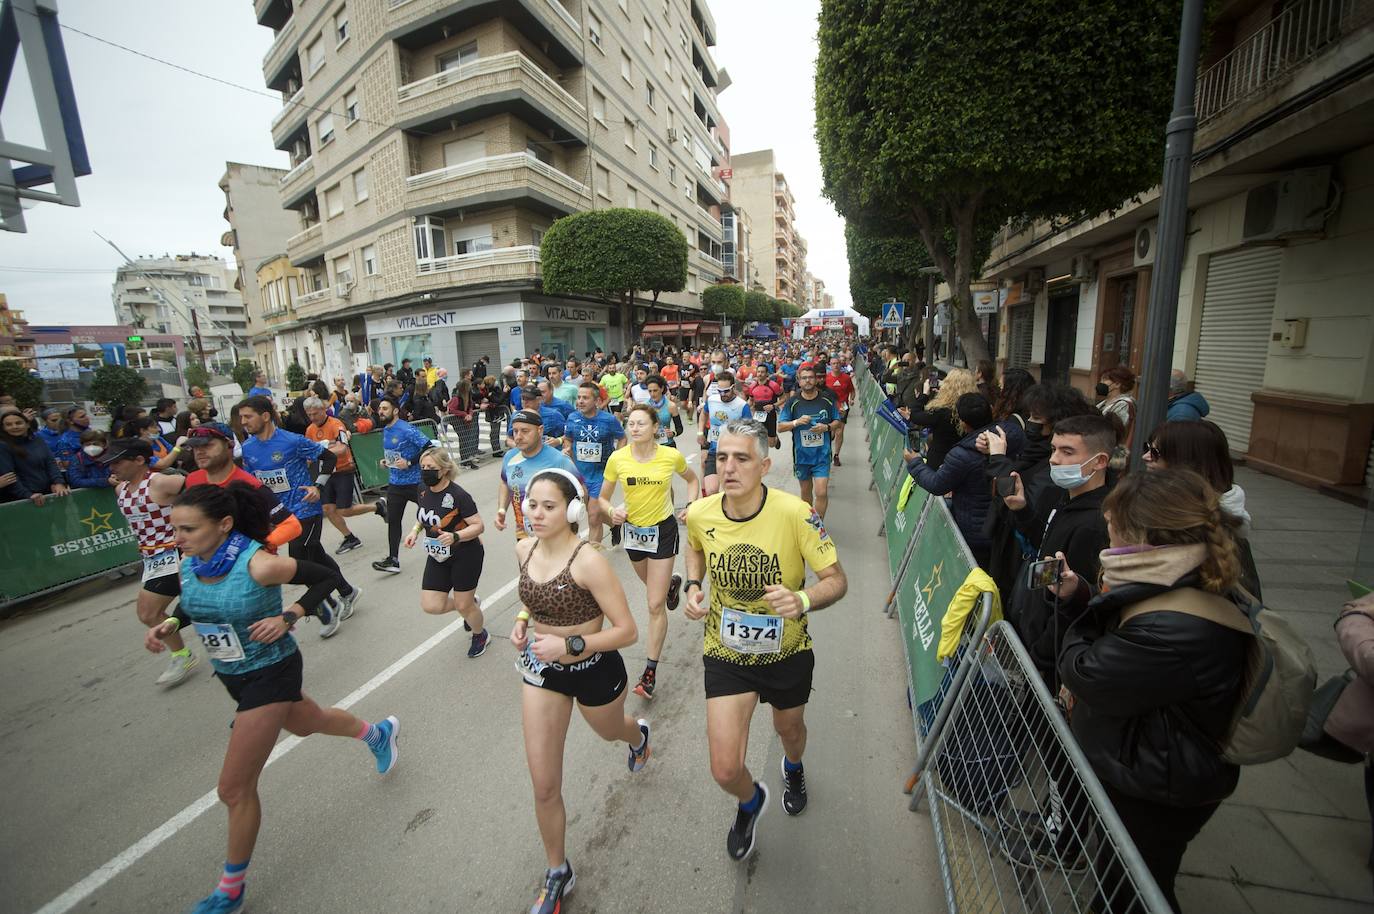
577, 507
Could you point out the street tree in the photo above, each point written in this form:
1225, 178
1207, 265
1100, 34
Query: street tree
17, 382
724, 300
884, 267
113, 386
197, 375
950, 118
243, 373
614, 255
295, 377
758, 306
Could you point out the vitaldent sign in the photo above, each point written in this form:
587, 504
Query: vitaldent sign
564, 314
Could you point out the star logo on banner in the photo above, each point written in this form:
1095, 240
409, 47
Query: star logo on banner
99, 522
934, 584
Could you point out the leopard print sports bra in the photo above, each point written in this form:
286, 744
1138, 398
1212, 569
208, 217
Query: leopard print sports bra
559, 601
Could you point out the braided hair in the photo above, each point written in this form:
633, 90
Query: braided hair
1176, 507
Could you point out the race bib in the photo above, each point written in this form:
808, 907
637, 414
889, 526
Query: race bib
274, 480
641, 539
587, 451
392, 458
220, 640
811, 437
714, 434
437, 550
160, 565
530, 667
760, 416
750, 633
664, 435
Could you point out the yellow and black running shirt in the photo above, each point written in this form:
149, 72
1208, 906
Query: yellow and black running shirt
743, 556
648, 485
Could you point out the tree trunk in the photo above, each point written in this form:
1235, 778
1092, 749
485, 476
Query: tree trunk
957, 271
627, 311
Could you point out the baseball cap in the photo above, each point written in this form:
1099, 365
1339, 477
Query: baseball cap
207, 432
120, 448
528, 416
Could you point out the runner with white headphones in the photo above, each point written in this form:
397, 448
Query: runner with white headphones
567, 655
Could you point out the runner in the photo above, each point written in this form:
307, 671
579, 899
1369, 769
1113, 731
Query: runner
639, 391
145, 499
402, 445
721, 405
519, 466
841, 386
763, 404
212, 446
231, 592
811, 416
280, 460
448, 518
615, 383
589, 437
650, 528
669, 417
755, 545
568, 655
337, 494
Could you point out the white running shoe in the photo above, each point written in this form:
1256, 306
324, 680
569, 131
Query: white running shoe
346, 603
178, 668
330, 617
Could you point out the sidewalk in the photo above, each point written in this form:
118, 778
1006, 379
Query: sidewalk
1295, 836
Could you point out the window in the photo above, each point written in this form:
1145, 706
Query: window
631, 197
629, 133
668, 64
314, 56
687, 189
686, 91
467, 149
626, 68
672, 173
625, 7
594, 30
653, 157
650, 97
599, 106
333, 201
360, 185
472, 239
351, 106
648, 34
537, 234
682, 37
341, 25
343, 270
429, 237
326, 128
451, 60
603, 181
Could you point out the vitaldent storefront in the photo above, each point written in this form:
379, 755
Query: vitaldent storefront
456, 335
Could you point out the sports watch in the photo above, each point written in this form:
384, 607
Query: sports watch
576, 644
290, 618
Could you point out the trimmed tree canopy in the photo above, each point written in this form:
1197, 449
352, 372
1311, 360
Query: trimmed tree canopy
16, 381
117, 385
243, 373
758, 306
724, 300
884, 267
613, 254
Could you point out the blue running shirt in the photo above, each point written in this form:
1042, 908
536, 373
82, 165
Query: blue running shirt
811, 445
282, 465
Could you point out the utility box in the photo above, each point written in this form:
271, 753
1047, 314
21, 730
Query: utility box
1291, 333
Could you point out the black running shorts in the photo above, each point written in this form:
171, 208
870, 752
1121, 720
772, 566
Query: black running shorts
593, 682
667, 542
169, 585
784, 684
459, 573
280, 681
338, 490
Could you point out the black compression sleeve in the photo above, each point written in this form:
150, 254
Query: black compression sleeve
677, 424
322, 581
327, 460
180, 615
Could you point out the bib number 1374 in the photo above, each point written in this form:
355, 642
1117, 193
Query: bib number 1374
750, 633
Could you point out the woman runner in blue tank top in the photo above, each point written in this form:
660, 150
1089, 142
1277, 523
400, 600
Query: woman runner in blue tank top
231, 594
669, 418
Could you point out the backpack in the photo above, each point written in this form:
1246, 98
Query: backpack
1280, 676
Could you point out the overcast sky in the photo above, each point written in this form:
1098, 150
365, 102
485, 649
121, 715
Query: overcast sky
159, 138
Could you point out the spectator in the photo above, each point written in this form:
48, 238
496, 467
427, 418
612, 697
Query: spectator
149, 429
438, 387
496, 402
1120, 404
25, 461
122, 416
85, 472
371, 386
1164, 644
937, 413
421, 406
406, 374
339, 395
1351, 721
1184, 404
69, 445
294, 419
462, 418
986, 373
429, 371
51, 430
396, 390
962, 473
166, 414
479, 369
260, 388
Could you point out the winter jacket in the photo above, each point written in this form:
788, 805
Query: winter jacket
68, 446
1190, 406
1077, 528
35, 467
962, 474
1352, 719
1154, 698
438, 393
85, 473
1005, 550
944, 430
423, 408
908, 389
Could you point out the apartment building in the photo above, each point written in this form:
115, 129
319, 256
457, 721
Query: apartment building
258, 230
16, 339
185, 295
760, 189
1275, 314
433, 143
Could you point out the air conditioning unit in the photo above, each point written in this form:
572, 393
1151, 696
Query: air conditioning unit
672, 135
1082, 270
343, 289
1294, 204
1035, 281
1146, 241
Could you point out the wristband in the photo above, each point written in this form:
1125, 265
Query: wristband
501, 511
176, 622
522, 616
415, 530
805, 600
176, 449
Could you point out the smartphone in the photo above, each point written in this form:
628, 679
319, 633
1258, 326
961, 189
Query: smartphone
1042, 574
1006, 486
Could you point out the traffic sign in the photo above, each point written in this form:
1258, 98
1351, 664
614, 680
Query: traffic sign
893, 312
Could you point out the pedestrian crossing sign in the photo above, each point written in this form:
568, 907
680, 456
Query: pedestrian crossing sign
893, 313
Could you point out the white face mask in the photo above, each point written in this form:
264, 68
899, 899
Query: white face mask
93, 450
1071, 476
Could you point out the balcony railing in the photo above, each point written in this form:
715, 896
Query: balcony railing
313, 298
1292, 38
507, 171
305, 164
524, 259
710, 261
492, 74
420, 8
291, 105
285, 35
305, 243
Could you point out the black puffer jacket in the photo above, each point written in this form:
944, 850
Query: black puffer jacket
962, 474
1154, 697
1004, 557
944, 430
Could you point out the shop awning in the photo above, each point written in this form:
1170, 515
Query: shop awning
687, 328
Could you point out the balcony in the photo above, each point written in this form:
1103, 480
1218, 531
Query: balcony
307, 245
513, 264
710, 261
290, 120
416, 23
490, 85
297, 183
282, 52
314, 302
272, 13
496, 179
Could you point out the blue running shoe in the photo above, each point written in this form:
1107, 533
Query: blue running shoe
387, 751
557, 886
641, 755
218, 903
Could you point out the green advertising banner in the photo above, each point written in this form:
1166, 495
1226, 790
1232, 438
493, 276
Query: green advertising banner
67, 539
936, 571
901, 526
367, 455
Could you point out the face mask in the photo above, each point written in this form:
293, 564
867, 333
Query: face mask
93, 450
1035, 430
1071, 476
1102, 390
716, 369
430, 477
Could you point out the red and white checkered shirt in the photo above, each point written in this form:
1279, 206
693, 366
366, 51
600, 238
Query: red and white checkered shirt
150, 521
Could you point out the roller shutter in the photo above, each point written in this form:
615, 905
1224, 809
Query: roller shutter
1233, 348
473, 344
1021, 336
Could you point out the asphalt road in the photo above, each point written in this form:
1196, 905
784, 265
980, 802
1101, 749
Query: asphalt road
108, 800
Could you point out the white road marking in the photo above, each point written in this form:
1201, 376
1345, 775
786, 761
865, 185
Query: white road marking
136, 851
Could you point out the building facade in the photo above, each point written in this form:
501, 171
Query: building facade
16, 340
1275, 307
258, 229
185, 295
777, 248
433, 143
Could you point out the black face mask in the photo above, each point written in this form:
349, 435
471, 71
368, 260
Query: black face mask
430, 477
1035, 430
1102, 390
